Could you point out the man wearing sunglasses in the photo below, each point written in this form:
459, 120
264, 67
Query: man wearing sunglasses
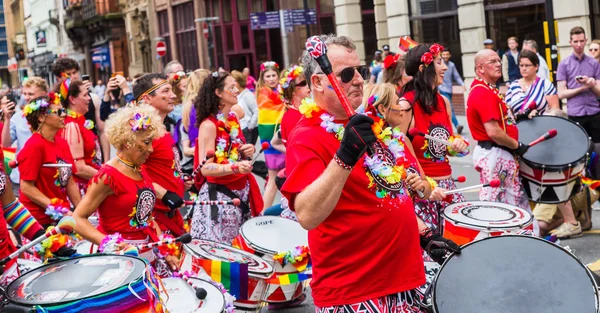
329, 190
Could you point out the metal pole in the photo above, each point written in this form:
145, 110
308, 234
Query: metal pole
550, 38
210, 41
284, 40
307, 24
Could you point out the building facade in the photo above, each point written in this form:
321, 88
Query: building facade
140, 20
4, 38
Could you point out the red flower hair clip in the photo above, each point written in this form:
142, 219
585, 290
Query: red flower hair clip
433, 52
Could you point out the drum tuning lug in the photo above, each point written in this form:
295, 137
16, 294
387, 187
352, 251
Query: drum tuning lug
570, 165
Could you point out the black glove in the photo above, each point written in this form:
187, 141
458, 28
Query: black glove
358, 135
522, 149
437, 246
173, 201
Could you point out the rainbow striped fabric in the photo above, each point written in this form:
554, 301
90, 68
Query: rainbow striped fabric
406, 43
270, 112
590, 182
288, 278
233, 276
9, 155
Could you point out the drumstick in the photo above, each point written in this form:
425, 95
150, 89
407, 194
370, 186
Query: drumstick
548, 135
415, 132
65, 226
200, 292
263, 146
495, 183
209, 155
234, 201
14, 164
460, 179
185, 238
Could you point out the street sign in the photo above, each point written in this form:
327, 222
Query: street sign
265, 20
161, 48
205, 30
12, 65
303, 17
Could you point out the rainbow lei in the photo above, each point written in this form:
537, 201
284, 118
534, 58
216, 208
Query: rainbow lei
230, 130
110, 242
57, 208
50, 245
460, 154
88, 124
168, 249
299, 258
391, 139
40, 103
290, 74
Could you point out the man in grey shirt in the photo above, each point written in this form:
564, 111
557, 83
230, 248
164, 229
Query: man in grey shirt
543, 72
15, 126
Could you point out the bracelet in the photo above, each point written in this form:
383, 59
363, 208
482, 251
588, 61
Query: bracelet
342, 164
235, 168
463, 153
110, 242
57, 208
431, 182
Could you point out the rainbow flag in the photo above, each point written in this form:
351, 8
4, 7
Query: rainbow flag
590, 182
233, 276
9, 155
406, 43
288, 278
270, 112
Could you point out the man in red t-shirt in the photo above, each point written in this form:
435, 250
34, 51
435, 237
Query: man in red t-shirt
365, 250
163, 163
493, 125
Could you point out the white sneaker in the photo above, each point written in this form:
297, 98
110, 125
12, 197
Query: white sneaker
568, 230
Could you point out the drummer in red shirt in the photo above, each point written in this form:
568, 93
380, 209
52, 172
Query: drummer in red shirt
432, 115
163, 163
46, 165
493, 125
364, 239
122, 190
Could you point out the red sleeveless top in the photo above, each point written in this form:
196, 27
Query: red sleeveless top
431, 155
227, 142
288, 122
128, 209
92, 154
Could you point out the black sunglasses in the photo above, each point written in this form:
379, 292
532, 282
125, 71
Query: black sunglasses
302, 84
347, 74
58, 112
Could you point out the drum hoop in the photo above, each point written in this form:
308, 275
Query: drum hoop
72, 300
479, 227
258, 259
555, 168
588, 271
564, 166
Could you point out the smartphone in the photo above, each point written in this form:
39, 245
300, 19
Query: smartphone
85, 77
12, 96
117, 73
578, 77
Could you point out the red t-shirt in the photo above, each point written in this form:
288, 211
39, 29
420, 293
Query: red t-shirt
6, 245
433, 158
91, 147
486, 104
288, 121
164, 168
51, 181
116, 212
367, 247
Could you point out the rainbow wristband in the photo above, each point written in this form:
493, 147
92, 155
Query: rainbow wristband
463, 153
21, 220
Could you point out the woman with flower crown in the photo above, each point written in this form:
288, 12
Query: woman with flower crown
227, 174
431, 114
45, 163
121, 192
270, 111
83, 143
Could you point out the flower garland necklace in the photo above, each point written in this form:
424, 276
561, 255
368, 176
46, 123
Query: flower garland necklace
88, 124
391, 139
230, 139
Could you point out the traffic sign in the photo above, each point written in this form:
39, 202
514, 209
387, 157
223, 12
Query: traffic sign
205, 30
161, 48
265, 20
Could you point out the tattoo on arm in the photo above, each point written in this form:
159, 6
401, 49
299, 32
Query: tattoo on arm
211, 167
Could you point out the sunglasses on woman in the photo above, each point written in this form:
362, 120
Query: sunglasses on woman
58, 112
302, 84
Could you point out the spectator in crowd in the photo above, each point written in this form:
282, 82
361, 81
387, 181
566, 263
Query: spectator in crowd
595, 49
250, 81
578, 77
171, 69
510, 61
543, 71
247, 101
387, 51
488, 44
376, 66
445, 88
100, 88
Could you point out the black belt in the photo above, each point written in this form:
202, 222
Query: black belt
487, 145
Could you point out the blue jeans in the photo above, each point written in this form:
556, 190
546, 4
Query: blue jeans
273, 211
449, 97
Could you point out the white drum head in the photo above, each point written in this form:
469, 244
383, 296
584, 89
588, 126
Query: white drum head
484, 215
273, 234
215, 251
84, 246
182, 297
27, 265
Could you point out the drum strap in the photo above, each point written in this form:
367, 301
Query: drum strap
212, 195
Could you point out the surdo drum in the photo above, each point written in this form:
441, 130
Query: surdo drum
516, 274
551, 170
467, 221
181, 298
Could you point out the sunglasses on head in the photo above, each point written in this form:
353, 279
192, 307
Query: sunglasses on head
347, 74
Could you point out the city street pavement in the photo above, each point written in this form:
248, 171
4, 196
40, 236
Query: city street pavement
586, 248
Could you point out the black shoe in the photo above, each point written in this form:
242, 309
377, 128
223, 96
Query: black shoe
459, 129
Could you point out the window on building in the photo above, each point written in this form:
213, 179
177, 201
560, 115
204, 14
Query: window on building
437, 21
595, 18
325, 12
163, 30
185, 35
242, 10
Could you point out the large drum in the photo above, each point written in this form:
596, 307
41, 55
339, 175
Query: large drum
258, 269
551, 170
268, 235
517, 274
467, 221
96, 283
181, 298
